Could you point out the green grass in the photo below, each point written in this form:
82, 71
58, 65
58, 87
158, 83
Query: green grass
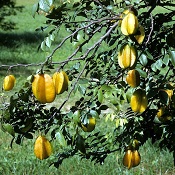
20, 160
20, 46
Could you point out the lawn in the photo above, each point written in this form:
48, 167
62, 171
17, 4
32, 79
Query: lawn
20, 46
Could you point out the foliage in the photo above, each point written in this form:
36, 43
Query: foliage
8, 8
92, 26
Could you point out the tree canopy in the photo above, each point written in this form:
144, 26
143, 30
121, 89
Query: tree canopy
122, 62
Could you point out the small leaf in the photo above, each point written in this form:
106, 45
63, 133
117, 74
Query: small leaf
8, 128
172, 56
43, 46
143, 60
149, 55
142, 73
61, 139
83, 81
48, 42
94, 113
158, 64
81, 89
43, 5
76, 116
35, 9
100, 96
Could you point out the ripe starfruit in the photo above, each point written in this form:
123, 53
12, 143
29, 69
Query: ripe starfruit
9, 82
133, 78
42, 148
43, 88
125, 12
127, 56
131, 158
129, 25
61, 81
139, 101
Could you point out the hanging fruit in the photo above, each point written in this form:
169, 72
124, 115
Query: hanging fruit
131, 158
133, 78
9, 82
127, 56
43, 88
42, 148
129, 24
61, 81
139, 101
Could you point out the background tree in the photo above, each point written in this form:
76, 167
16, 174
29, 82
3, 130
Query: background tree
102, 41
8, 8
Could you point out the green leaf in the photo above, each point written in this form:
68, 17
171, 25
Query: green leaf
76, 116
143, 60
100, 96
142, 73
44, 5
80, 143
81, 89
166, 60
164, 97
59, 136
94, 113
172, 56
8, 128
159, 64
149, 55
48, 42
43, 46
83, 81
35, 9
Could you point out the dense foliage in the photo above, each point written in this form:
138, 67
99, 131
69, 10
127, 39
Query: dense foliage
94, 29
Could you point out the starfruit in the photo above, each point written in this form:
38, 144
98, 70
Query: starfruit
139, 101
127, 56
61, 81
133, 78
131, 158
129, 25
42, 148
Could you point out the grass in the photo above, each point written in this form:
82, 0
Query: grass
20, 160
20, 46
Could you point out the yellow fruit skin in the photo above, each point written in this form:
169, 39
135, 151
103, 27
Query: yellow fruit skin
127, 159
61, 82
90, 126
169, 92
139, 101
133, 78
135, 158
43, 88
125, 12
8, 83
129, 24
42, 148
162, 115
140, 37
127, 56
131, 158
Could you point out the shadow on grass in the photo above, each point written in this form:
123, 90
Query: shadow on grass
12, 39
19, 48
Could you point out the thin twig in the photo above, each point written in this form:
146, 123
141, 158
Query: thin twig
152, 28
